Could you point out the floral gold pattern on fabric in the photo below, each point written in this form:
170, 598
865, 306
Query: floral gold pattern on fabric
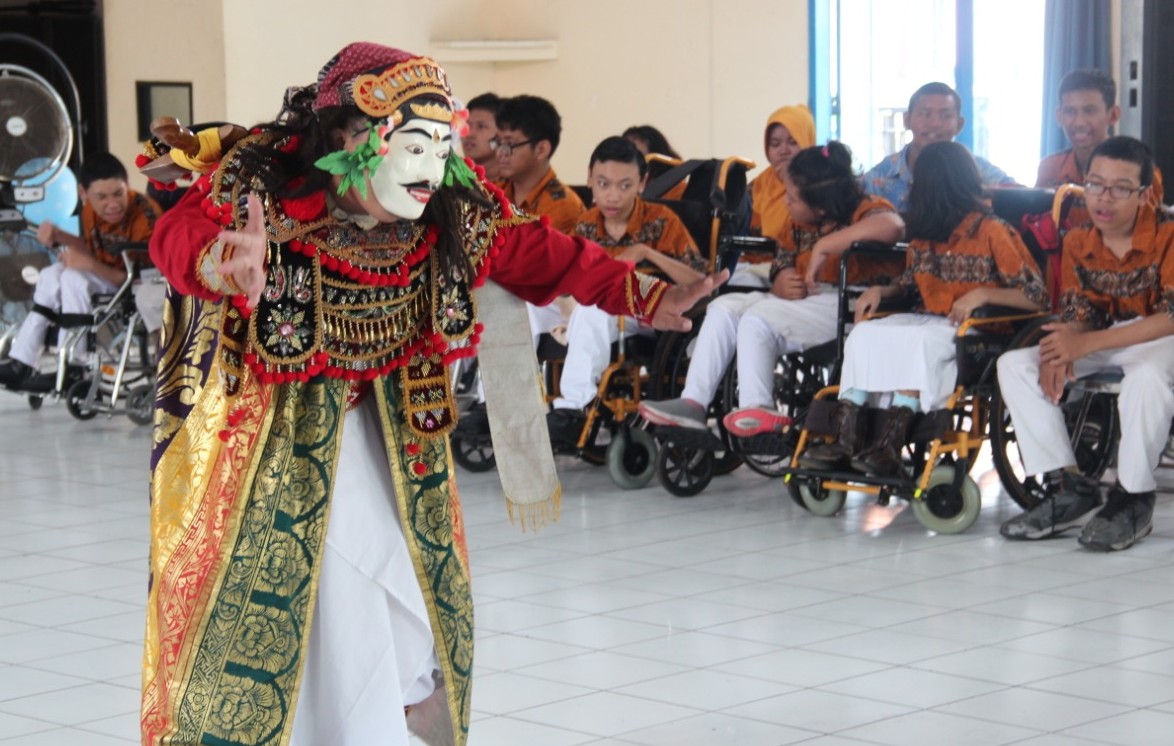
244, 674
433, 529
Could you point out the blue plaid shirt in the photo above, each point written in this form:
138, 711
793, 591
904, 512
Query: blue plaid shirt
892, 177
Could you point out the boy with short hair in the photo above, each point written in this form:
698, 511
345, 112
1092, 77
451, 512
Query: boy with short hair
934, 114
631, 230
1117, 313
1088, 110
528, 132
478, 143
111, 214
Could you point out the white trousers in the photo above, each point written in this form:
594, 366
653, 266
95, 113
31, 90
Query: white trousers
1145, 406
150, 296
371, 648
65, 291
906, 351
759, 327
590, 334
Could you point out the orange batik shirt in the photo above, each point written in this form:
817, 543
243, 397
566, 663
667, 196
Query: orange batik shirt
551, 198
1061, 168
796, 240
1099, 288
137, 224
651, 224
982, 252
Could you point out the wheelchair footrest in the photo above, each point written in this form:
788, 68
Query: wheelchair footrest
689, 437
765, 444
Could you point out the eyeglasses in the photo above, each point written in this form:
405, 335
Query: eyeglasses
1096, 189
508, 148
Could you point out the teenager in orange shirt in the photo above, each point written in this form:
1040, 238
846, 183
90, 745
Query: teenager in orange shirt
649, 235
1117, 314
1088, 110
528, 132
111, 214
828, 213
960, 257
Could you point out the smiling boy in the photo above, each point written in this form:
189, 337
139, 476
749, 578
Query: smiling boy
934, 114
1088, 110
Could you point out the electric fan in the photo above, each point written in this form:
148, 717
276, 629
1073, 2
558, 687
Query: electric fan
36, 140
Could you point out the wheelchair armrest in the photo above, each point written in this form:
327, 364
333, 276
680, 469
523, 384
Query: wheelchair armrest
874, 248
134, 254
731, 248
992, 315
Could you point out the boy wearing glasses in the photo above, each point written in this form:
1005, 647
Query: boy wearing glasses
1088, 110
1117, 314
528, 131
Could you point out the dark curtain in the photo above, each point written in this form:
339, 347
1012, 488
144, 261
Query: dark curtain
1077, 34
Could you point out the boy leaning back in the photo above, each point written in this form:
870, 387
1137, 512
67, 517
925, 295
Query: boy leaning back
1117, 314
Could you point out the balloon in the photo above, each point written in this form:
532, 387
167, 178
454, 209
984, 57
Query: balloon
60, 200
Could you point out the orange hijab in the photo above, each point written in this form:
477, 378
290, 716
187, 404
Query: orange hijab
767, 190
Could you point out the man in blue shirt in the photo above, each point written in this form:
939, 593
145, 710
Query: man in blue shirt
935, 113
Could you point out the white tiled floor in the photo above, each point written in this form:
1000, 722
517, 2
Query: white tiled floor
733, 618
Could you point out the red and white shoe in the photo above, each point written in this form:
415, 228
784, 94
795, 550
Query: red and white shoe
750, 421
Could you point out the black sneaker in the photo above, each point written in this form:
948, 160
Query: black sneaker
1127, 518
13, 373
565, 426
1068, 507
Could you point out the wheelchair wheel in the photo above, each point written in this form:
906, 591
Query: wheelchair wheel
631, 458
1093, 429
35, 402
682, 471
140, 404
819, 499
944, 509
473, 455
77, 401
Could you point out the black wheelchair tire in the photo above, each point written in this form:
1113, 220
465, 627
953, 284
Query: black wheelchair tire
684, 472
1094, 451
140, 404
75, 400
473, 457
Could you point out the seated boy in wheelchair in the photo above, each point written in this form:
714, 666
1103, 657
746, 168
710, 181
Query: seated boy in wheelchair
960, 257
828, 212
1116, 314
111, 214
630, 229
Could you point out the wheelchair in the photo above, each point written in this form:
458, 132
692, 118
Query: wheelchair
612, 433
113, 381
1090, 414
690, 458
941, 447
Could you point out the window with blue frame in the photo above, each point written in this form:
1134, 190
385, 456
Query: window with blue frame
868, 56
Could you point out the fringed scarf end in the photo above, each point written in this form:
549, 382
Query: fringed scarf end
536, 515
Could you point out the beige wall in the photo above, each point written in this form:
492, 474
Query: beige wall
706, 72
134, 53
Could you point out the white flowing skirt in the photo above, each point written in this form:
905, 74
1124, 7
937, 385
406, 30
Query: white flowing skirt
906, 351
371, 648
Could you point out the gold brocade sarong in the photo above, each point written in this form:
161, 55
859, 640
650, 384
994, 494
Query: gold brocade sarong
240, 500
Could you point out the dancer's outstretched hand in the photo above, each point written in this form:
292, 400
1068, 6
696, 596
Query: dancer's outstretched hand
670, 314
246, 268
